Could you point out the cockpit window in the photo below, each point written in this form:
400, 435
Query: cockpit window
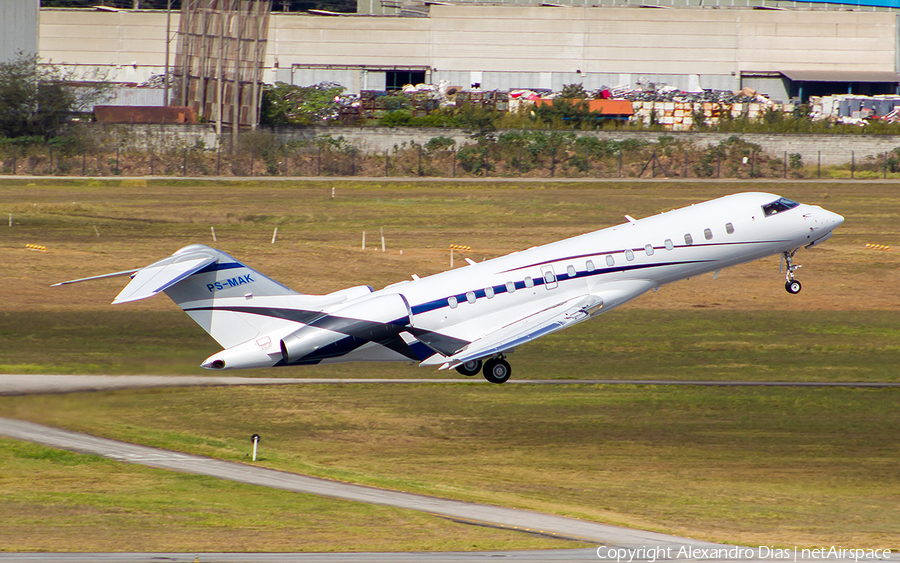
779, 205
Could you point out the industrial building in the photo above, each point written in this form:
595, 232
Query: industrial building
785, 50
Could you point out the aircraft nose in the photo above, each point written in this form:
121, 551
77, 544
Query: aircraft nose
833, 220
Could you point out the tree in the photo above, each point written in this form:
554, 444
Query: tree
36, 98
286, 104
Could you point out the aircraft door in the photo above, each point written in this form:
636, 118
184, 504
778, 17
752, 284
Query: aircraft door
549, 277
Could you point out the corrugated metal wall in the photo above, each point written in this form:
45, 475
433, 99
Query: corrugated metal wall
18, 27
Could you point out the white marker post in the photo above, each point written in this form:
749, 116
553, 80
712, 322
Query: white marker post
364, 241
274, 235
382, 240
96, 230
255, 440
10, 219
213, 231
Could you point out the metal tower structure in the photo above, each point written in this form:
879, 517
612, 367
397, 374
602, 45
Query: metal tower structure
219, 60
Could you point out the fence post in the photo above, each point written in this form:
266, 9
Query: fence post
587, 160
218, 157
151, 164
184, 163
819, 166
619, 168
521, 147
685, 175
420, 161
884, 165
83, 162
15, 154
454, 163
387, 163
852, 164
352, 162
117, 160
252, 159
785, 164
319, 162
719, 165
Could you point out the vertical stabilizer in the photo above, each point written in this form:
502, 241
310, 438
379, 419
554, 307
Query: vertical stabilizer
221, 294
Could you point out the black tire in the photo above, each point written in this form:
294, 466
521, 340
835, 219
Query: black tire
497, 371
793, 287
469, 368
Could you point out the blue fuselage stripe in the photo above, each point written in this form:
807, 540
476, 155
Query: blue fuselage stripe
498, 289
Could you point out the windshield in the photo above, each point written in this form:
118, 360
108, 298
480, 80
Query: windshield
779, 205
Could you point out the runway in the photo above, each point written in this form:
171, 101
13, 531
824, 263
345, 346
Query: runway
24, 384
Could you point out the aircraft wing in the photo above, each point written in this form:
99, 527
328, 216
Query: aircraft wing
546, 321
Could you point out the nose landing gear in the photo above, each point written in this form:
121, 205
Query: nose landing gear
790, 284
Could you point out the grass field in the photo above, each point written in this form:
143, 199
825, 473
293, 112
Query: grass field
752, 466
62, 501
757, 466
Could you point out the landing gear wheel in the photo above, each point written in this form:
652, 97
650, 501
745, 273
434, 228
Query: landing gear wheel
793, 286
497, 370
469, 368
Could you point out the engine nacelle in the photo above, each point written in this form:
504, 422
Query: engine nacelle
365, 320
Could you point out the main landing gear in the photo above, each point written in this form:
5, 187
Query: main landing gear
790, 284
496, 370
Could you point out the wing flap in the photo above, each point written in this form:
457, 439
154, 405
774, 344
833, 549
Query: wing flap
546, 321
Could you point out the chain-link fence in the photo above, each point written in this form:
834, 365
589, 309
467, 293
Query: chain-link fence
516, 154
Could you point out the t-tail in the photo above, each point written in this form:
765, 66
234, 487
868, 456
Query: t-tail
210, 286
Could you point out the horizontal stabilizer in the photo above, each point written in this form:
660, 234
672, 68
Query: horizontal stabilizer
161, 275
101, 277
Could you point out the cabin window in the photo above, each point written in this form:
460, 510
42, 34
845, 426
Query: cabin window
589, 265
707, 233
669, 244
610, 261
529, 282
452, 302
629, 255
470, 296
779, 205
729, 228
489, 292
571, 271
510, 287
649, 249
688, 239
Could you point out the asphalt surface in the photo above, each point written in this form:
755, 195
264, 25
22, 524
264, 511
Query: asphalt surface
16, 384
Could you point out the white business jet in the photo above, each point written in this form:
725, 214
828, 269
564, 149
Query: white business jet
470, 318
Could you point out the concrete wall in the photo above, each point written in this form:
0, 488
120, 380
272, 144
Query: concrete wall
510, 46
833, 149
18, 28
